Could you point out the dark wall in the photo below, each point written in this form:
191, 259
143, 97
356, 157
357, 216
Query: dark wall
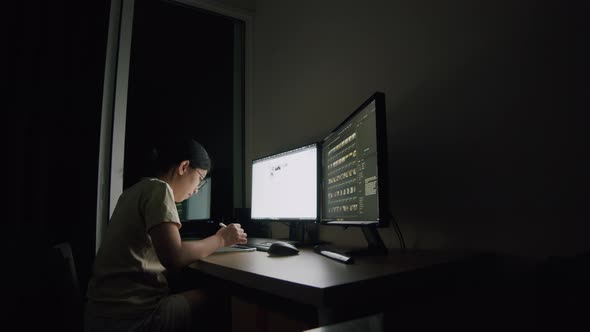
60, 58
488, 150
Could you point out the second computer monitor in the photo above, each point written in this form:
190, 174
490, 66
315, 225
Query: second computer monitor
354, 168
285, 186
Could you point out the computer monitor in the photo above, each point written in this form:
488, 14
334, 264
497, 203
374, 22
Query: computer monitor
285, 186
355, 174
195, 213
198, 206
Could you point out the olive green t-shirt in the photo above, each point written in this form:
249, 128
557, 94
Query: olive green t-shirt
128, 277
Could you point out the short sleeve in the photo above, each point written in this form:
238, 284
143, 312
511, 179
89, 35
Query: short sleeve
159, 205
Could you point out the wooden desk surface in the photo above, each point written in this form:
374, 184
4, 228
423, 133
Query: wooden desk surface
313, 279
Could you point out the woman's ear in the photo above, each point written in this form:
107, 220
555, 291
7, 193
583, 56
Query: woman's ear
183, 167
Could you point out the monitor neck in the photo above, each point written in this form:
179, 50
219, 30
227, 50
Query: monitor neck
375, 245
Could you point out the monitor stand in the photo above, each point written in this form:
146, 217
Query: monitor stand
375, 245
303, 233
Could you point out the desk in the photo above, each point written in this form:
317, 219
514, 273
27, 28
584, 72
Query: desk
328, 286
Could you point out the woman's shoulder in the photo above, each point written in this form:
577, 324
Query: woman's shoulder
148, 184
155, 185
152, 181
148, 189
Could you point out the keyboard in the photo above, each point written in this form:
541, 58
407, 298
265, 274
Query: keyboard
262, 244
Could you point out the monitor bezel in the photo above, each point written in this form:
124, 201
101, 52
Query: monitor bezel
382, 165
318, 184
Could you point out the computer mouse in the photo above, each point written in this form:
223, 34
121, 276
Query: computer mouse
282, 249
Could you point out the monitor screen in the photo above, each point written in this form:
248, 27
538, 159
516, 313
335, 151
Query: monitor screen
197, 207
354, 168
285, 185
195, 214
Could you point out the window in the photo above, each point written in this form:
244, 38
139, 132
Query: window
173, 66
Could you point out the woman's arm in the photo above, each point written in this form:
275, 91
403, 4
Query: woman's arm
175, 254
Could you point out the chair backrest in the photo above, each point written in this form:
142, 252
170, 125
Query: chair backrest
66, 296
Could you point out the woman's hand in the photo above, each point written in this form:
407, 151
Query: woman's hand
232, 234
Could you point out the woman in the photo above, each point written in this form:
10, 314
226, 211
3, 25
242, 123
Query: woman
129, 290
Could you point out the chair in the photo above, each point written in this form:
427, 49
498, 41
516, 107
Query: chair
65, 301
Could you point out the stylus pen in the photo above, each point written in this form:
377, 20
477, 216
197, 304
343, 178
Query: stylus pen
222, 224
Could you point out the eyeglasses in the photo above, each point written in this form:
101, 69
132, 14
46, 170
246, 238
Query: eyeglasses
202, 180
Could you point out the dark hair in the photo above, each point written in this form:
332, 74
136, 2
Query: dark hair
171, 151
